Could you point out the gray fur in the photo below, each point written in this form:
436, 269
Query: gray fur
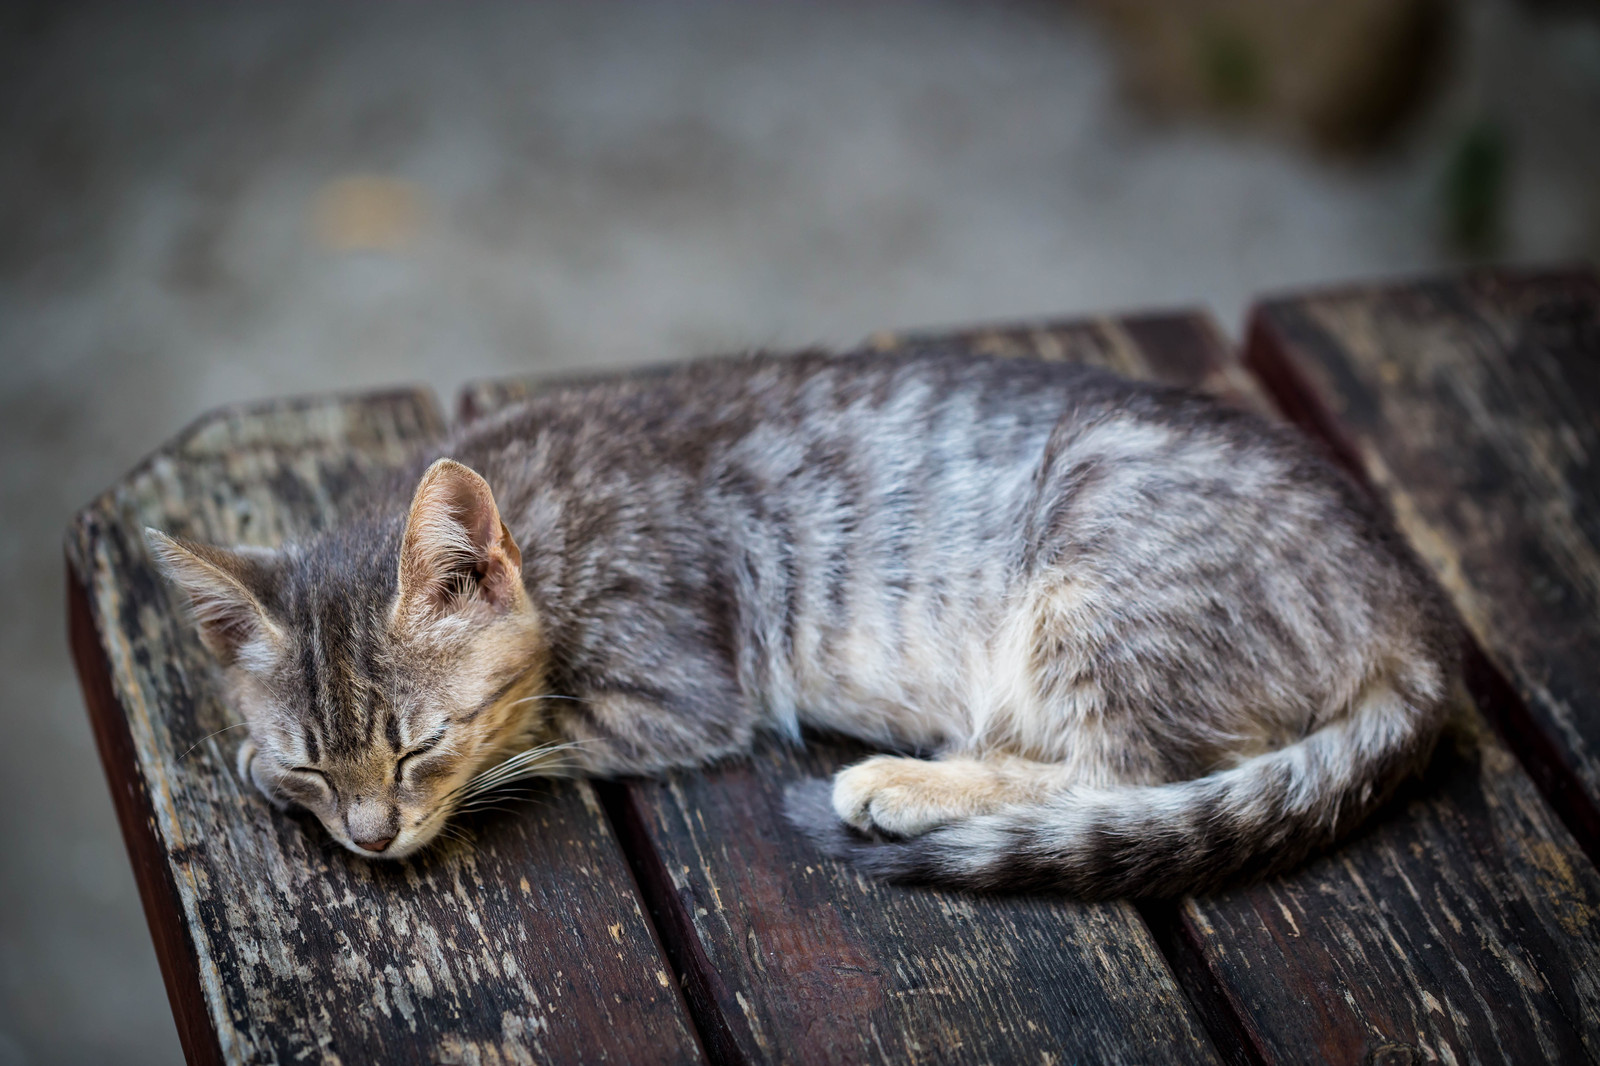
1157, 642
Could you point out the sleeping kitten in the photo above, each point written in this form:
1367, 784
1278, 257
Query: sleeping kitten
1153, 642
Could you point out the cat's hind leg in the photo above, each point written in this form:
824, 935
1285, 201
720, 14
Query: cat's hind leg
905, 797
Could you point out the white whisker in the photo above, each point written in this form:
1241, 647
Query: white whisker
530, 763
492, 807
545, 696
208, 736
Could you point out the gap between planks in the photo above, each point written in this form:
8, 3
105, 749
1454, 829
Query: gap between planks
1185, 957
699, 981
671, 923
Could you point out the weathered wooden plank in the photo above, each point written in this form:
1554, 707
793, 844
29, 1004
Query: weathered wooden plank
1459, 927
1489, 902
523, 942
802, 960
1473, 406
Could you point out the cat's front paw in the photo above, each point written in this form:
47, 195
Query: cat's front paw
896, 796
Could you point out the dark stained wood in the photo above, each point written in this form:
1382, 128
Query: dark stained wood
805, 961
1470, 405
1473, 406
523, 942
1461, 926
788, 957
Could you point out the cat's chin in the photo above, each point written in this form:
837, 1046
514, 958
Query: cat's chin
407, 845
395, 851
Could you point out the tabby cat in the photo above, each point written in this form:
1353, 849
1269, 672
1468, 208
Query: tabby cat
1151, 643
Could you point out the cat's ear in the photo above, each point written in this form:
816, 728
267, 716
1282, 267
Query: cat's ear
218, 583
456, 551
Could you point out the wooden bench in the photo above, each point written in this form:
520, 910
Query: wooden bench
682, 920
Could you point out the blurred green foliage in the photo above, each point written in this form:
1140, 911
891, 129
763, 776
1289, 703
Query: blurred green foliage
1474, 188
1233, 67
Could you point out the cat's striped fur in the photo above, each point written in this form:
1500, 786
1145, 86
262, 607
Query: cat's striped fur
1150, 641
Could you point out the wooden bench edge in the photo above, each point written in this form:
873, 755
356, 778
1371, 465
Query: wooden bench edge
175, 949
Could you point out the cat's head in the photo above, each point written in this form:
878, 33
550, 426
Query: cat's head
380, 666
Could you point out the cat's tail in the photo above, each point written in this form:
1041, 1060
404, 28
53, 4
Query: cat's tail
1267, 813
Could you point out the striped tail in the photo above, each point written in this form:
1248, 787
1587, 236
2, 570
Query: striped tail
1265, 814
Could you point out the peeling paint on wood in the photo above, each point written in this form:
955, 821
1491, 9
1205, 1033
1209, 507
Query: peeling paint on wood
524, 943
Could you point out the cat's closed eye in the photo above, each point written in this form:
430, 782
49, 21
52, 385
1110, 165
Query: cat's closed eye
408, 758
305, 783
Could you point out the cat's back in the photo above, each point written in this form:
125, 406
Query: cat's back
688, 415
847, 522
930, 443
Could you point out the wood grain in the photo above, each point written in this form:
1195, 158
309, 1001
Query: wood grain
1462, 926
805, 961
1473, 406
524, 942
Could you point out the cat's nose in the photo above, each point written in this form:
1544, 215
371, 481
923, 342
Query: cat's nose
372, 823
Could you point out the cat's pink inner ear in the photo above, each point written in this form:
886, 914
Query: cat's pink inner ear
456, 550
216, 582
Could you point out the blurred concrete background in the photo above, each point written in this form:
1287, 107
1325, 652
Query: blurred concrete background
205, 205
